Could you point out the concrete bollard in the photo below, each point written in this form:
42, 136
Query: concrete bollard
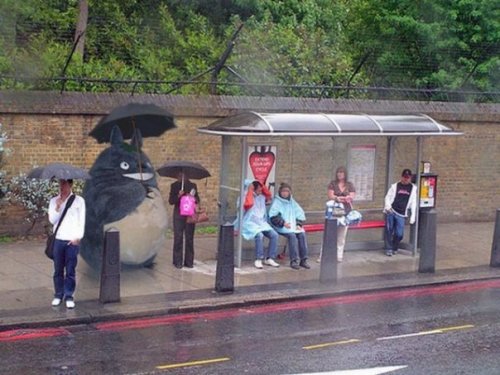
495, 245
224, 276
427, 261
328, 268
110, 270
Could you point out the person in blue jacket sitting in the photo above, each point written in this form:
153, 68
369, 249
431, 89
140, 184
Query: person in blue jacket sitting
287, 218
255, 223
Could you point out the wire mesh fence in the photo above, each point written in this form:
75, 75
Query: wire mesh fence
187, 87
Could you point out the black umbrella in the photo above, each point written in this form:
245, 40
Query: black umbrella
60, 171
190, 169
152, 121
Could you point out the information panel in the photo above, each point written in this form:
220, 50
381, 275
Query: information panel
361, 169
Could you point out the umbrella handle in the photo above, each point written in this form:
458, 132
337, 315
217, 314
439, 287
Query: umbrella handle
137, 147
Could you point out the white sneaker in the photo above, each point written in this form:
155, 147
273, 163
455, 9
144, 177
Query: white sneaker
318, 260
70, 304
271, 262
56, 302
258, 263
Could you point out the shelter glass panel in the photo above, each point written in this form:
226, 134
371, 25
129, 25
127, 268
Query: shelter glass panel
355, 123
231, 170
405, 124
361, 167
300, 122
243, 122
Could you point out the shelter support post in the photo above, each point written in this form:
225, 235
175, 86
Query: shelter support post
427, 261
414, 236
110, 270
390, 163
223, 194
224, 276
244, 167
329, 261
495, 246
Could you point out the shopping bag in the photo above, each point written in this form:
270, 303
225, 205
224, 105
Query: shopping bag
187, 205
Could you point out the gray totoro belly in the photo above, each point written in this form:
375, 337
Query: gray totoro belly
143, 233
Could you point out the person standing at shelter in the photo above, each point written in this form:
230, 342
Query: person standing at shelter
341, 190
287, 217
183, 231
255, 224
67, 242
401, 197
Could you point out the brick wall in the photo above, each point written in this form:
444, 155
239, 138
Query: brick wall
48, 127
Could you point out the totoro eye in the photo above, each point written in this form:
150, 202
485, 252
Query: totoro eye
124, 165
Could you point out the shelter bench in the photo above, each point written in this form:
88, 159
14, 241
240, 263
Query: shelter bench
320, 227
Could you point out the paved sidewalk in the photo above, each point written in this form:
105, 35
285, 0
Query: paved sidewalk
463, 253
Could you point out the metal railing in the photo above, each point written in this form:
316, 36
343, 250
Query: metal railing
82, 84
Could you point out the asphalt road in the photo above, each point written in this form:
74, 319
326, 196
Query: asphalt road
451, 329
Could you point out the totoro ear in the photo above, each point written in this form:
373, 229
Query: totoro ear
116, 136
137, 139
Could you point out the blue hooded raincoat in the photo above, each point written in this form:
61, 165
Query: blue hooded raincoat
255, 219
290, 212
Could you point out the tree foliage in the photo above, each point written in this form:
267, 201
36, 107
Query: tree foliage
429, 44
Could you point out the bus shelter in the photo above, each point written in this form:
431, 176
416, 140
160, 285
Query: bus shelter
304, 150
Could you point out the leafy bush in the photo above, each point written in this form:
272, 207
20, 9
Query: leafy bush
34, 195
6, 239
3, 152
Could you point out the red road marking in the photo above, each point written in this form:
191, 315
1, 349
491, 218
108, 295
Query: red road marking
298, 305
30, 334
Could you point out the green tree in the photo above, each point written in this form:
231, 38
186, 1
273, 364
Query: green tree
295, 42
429, 44
452, 44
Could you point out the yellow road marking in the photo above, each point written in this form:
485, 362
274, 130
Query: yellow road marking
193, 363
326, 344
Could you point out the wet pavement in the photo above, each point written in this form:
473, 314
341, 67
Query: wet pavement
463, 253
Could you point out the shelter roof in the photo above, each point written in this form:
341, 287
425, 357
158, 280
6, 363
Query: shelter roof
326, 124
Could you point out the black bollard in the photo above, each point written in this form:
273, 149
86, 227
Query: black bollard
224, 276
110, 270
427, 261
495, 245
328, 268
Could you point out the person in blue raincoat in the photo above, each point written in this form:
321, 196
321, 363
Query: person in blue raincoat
287, 217
255, 224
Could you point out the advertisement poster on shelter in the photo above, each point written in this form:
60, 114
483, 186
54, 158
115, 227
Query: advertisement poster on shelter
262, 164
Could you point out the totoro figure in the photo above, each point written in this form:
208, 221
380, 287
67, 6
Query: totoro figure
124, 195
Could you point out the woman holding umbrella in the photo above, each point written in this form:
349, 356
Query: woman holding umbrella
183, 231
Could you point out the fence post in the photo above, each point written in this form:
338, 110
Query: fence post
110, 269
495, 246
427, 261
224, 276
328, 268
